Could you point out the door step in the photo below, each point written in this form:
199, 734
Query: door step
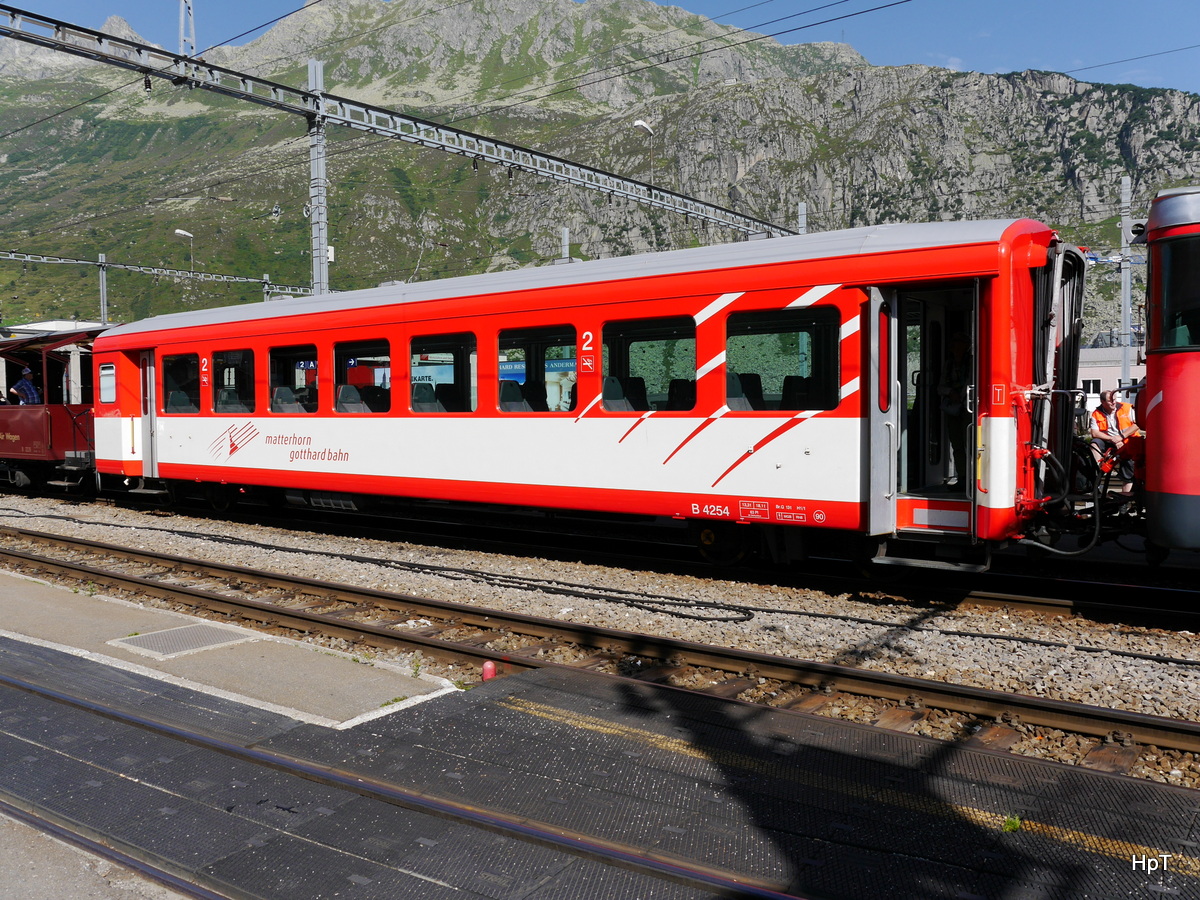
934, 555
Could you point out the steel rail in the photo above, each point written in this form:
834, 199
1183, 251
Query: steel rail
96, 845
827, 677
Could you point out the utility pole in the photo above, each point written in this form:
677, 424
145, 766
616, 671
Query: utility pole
187, 29
103, 289
1126, 277
318, 183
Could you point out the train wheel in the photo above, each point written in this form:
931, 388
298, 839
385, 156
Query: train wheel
721, 543
222, 497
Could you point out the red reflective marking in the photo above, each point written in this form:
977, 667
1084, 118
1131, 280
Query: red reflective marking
687, 439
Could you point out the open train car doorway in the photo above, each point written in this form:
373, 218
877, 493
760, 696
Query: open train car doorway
937, 374
924, 390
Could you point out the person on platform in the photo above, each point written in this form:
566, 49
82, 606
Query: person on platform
25, 390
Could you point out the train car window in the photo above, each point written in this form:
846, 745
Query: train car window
641, 360
1175, 285
362, 373
444, 373
181, 383
108, 383
293, 379
537, 369
233, 381
783, 359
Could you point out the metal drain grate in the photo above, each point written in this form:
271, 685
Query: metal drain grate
178, 641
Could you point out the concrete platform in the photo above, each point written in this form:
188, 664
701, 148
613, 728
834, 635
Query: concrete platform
36, 866
309, 684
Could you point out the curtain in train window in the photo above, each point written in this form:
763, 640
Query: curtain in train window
233, 381
181, 383
783, 359
362, 373
443, 374
537, 370
293, 381
645, 363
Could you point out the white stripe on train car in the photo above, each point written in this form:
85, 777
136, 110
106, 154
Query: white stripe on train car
716, 306
812, 295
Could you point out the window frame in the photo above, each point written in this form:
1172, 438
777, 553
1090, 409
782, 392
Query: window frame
367, 400
822, 383
188, 388
534, 342
618, 337
463, 349
245, 396
277, 404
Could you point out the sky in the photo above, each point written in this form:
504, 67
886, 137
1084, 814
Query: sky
1102, 40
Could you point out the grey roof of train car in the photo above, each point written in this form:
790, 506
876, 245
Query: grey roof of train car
850, 242
1177, 206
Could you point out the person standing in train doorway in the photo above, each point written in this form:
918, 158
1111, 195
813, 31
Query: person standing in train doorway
952, 389
25, 390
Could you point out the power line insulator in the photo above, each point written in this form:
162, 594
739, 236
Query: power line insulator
147, 85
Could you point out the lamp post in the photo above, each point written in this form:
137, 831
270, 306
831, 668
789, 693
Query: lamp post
650, 131
179, 232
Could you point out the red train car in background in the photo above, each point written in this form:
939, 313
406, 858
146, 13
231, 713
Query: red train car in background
905, 390
1169, 402
49, 442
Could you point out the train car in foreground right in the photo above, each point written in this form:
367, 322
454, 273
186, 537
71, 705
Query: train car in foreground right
1169, 406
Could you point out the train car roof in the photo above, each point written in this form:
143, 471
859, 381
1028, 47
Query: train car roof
48, 340
1176, 206
831, 244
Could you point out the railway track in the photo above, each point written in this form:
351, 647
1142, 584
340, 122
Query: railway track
466, 637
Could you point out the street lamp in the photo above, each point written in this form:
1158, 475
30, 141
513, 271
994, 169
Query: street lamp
179, 232
650, 131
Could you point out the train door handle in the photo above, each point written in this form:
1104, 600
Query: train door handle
891, 432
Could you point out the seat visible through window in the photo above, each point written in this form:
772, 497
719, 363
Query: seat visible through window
228, 401
511, 398
283, 400
349, 401
734, 398
178, 402
423, 398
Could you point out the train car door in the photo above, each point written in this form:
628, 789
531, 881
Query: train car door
883, 414
936, 370
149, 414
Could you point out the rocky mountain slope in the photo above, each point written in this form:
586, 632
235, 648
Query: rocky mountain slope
744, 123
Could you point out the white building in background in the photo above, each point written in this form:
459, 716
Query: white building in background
1100, 370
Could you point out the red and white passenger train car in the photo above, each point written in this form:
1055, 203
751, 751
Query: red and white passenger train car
1169, 403
796, 390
